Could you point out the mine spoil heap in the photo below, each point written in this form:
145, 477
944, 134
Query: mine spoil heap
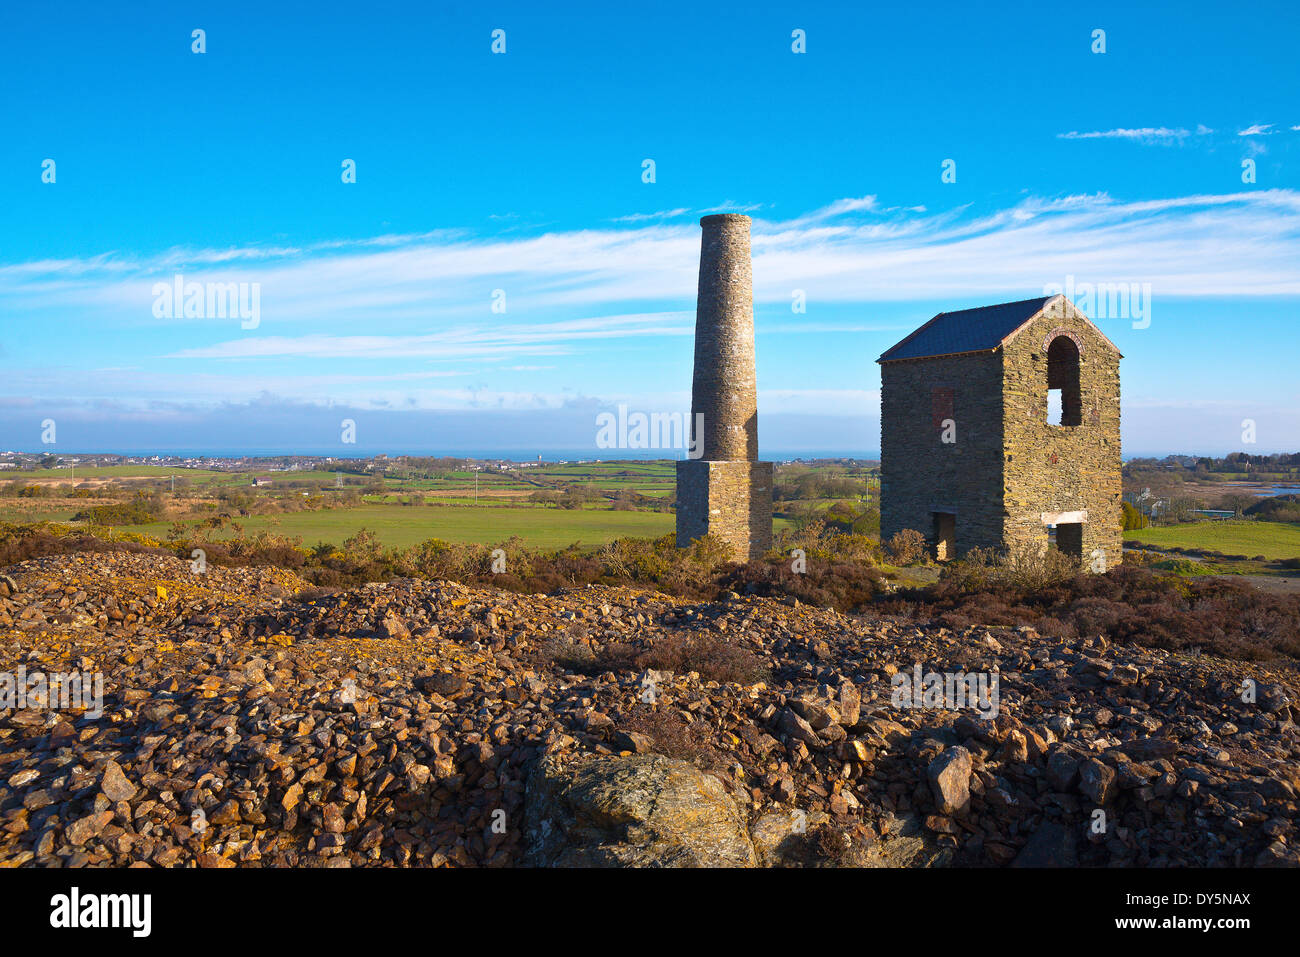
249, 721
725, 491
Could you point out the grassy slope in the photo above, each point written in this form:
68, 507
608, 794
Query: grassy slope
400, 526
40, 513
1271, 539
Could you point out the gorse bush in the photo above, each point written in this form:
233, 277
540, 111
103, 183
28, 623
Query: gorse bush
1278, 508
1133, 519
1183, 566
820, 542
19, 543
141, 510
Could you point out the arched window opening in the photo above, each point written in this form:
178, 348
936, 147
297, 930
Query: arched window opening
1064, 402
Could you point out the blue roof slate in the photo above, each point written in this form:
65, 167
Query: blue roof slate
967, 330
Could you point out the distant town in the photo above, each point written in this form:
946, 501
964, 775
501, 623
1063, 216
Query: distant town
357, 465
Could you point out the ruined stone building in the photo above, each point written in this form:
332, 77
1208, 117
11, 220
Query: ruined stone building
973, 453
724, 491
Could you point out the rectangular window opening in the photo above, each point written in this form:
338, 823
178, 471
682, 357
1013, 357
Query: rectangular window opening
1055, 408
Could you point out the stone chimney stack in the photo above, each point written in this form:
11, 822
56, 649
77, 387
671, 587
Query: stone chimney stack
724, 491
724, 388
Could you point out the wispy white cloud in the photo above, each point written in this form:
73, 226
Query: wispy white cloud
432, 293
839, 208
733, 207
460, 342
129, 389
1259, 129
1149, 135
645, 217
1241, 243
1144, 134
135, 388
356, 320
663, 214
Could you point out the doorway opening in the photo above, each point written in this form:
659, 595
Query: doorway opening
1069, 539
945, 536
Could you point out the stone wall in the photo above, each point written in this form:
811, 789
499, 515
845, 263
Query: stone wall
1061, 469
1009, 471
731, 501
920, 473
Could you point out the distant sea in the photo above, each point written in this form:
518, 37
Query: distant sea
509, 455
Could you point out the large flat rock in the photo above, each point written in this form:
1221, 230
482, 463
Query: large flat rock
636, 811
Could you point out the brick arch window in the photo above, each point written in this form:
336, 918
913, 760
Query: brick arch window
1064, 397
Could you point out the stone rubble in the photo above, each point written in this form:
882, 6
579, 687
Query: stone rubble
418, 723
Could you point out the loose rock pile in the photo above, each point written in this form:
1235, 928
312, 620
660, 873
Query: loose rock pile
246, 723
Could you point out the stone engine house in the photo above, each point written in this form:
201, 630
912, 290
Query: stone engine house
724, 491
1000, 426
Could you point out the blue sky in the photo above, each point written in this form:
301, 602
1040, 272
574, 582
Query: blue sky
523, 172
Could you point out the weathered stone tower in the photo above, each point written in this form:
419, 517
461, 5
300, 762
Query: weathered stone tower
724, 490
972, 451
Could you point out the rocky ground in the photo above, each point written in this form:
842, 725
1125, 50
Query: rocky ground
247, 723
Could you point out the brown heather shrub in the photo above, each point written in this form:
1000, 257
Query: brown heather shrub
572, 651
713, 657
570, 654
673, 736
1129, 604
842, 585
1021, 565
906, 547
618, 656
829, 842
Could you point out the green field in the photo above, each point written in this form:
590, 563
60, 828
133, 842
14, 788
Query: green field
401, 526
456, 516
1270, 539
112, 471
644, 477
58, 512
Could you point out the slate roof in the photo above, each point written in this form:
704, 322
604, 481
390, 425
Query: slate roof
967, 330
